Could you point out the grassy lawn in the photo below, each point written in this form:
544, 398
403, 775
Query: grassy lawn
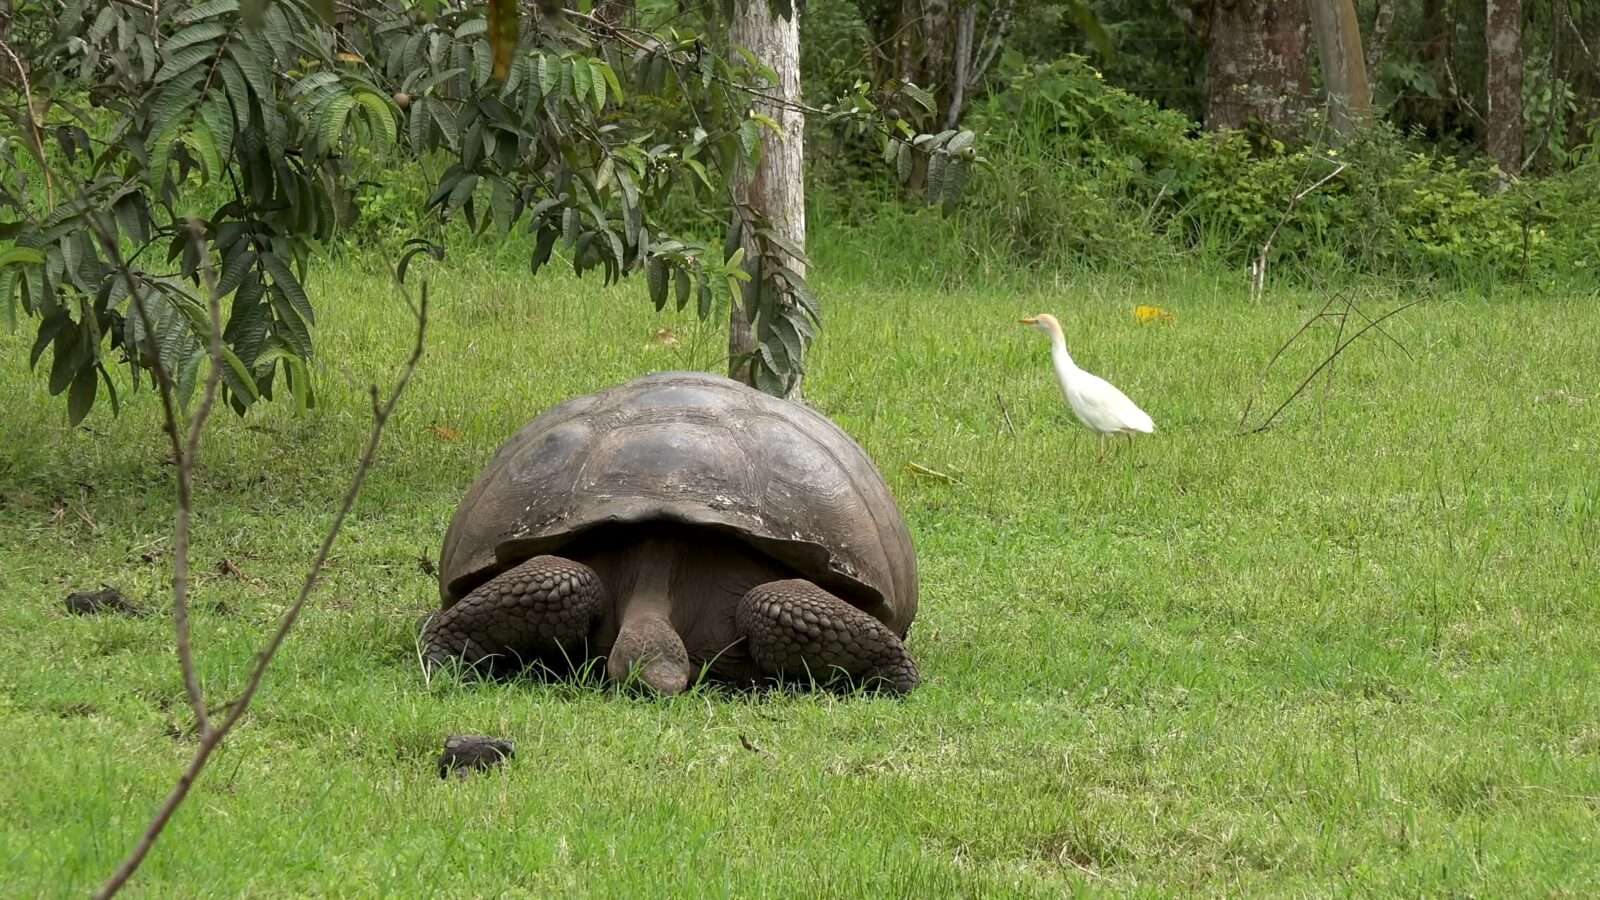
1356, 654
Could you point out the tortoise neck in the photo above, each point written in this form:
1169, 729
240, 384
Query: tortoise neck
656, 560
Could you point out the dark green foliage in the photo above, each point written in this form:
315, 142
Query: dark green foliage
1082, 173
573, 131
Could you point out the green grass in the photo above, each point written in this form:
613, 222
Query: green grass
1356, 654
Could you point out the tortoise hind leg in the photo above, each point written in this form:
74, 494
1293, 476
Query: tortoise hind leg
540, 610
797, 629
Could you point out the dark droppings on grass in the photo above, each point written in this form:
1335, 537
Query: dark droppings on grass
466, 753
107, 600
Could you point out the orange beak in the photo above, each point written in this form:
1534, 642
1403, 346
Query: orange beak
1031, 320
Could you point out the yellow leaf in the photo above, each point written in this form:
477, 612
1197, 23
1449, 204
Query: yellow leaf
445, 433
1146, 314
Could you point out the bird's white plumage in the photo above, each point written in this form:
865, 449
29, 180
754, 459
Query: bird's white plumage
1096, 402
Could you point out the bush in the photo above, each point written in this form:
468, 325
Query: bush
1083, 174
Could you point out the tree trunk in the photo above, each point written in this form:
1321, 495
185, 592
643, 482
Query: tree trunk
1344, 68
1256, 69
1503, 31
774, 189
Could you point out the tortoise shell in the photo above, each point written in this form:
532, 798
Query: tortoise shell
700, 450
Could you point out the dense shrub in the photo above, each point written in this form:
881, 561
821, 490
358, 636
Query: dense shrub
1085, 174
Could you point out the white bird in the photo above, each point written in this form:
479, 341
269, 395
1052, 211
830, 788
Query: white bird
1096, 402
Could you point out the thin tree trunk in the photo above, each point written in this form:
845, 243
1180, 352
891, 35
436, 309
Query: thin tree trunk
1344, 68
1256, 69
1382, 21
774, 189
1503, 31
966, 24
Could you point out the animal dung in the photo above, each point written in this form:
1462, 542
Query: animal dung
464, 753
106, 600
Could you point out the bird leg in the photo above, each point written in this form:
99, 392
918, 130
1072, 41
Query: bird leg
542, 609
797, 629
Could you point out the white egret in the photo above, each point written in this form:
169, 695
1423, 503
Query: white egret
1096, 402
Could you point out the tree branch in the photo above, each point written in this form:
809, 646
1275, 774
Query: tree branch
1002, 15
211, 738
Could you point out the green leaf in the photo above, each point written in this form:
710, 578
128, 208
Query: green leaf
750, 139
235, 268
172, 101
81, 398
21, 256
333, 117
680, 280
598, 81
655, 273
204, 145
249, 319
379, 115
236, 375
918, 96
233, 83
542, 248
291, 328
705, 298
503, 203
206, 11
183, 61
256, 71
219, 122
937, 163
288, 285
549, 74
192, 35
582, 80
610, 77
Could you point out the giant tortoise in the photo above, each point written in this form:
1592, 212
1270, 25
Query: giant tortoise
678, 523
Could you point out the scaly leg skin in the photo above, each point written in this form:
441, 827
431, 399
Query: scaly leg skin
542, 609
797, 629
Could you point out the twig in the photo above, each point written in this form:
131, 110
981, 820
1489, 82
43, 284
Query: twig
1324, 364
35, 133
1250, 401
1258, 271
1455, 91
1005, 413
212, 738
1003, 14
186, 462
180, 454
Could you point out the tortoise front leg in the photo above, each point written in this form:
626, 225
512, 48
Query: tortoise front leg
797, 629
542, 610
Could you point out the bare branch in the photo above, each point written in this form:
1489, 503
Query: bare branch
211, 738
186, 462
1258, 270
182, 456
35, 133
1002, 15
1265, 423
